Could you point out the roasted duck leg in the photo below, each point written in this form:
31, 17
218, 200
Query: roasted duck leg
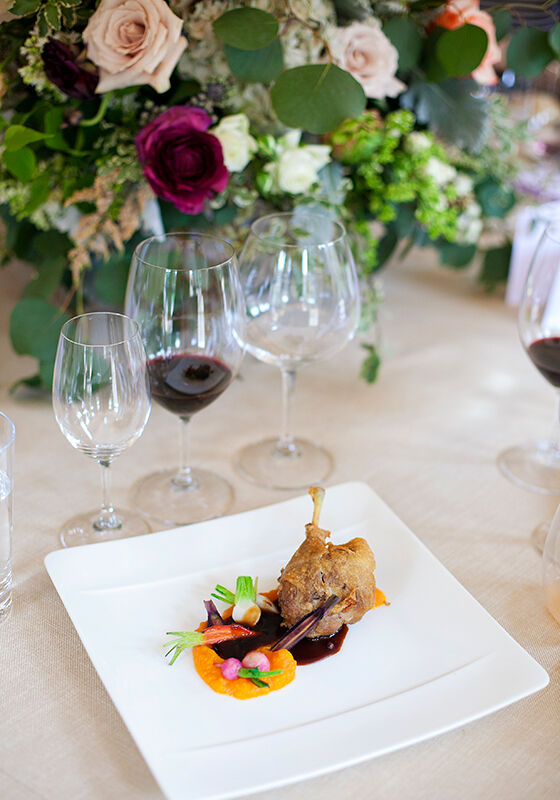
319, 569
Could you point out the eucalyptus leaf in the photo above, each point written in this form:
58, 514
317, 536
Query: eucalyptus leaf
352, 9
502, 22
246, 28
48, 277
495, 267
403, 33
111, 279
554, 39
20, 163
451, 109
317, 98
461, 50
529, 52
40, 190
35, 327
494, 199
256, 66
456, 255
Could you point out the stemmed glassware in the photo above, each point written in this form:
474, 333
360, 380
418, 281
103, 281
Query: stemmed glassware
101, 402
302, 304
184, 291
536, 465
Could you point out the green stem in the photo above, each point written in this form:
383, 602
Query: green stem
88, 123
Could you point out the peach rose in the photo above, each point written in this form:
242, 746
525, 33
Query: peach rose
134, 42
363, 50
462, 12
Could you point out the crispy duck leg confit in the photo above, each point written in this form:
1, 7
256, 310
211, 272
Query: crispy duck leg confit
319, 569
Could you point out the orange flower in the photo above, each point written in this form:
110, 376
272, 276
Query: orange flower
462, 12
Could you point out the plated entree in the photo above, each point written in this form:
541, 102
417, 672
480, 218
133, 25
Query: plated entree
254, 646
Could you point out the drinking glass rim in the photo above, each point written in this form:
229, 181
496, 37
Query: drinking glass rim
184, 235
333, 240
12, 438
136, 328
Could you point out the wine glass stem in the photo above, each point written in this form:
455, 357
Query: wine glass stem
286, 444
107, 519
184, 477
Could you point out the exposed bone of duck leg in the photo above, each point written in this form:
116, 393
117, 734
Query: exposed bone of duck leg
318, 495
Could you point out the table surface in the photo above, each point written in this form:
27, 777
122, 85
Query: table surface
454, 390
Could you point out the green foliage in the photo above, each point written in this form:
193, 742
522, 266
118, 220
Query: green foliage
460, 51
456, 255
495, 267
405, 35
256, 66
502, 23
495, 199
317, 98
529, 52
554, 39
20, 163
34, 330
111, 278
17, 136
451, 110
246, 28
23, 8
370, 365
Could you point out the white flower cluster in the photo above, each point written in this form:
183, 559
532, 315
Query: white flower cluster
296, 166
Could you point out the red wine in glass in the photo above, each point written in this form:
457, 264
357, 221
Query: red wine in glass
545, 355
184, 383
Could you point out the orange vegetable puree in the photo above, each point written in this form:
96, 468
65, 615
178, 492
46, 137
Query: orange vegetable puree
205, 660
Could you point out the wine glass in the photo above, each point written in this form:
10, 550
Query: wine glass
302, 305
101, 402
536, 465
185, 293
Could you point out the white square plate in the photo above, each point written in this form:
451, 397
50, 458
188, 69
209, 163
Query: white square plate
432, 660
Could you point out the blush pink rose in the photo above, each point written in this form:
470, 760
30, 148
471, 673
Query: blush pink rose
134, 42
182, 162
462, 12
363, 50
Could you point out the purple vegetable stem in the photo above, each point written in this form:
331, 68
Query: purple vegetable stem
305, 625
214, 617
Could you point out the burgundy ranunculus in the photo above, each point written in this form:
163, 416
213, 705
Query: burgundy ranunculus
62, 67
182, 162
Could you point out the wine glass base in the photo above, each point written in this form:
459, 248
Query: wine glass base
267, 464
169, 502
534, 466
538, 536
80, 529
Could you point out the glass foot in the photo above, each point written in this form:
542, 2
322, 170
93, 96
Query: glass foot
81, 528
534, 466
168, 501
267, 463
538, 536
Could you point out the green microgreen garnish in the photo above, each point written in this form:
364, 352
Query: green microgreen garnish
210, 636
255, 675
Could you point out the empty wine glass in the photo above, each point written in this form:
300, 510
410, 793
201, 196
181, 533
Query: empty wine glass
101, 402
185, 293
536, 465
302, 304
551, 567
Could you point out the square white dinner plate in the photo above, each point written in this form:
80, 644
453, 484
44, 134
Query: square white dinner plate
430, 661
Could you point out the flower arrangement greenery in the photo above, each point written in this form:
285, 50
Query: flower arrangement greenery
124, 117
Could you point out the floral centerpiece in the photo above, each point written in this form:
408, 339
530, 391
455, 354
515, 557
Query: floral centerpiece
125, 117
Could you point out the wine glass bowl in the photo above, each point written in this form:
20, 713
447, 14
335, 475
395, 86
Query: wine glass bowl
101, 403
302, 305
536, 465
184, 291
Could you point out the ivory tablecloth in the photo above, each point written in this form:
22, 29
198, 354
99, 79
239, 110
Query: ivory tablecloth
455, 389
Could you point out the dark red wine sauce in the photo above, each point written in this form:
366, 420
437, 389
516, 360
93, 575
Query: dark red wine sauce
306, 651
184, 383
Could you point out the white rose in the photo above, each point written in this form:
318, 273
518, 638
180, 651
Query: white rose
296, 169
463, 184
363, 50
134, 42
439, 171
237, 143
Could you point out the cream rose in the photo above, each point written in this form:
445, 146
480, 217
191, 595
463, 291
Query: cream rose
134, 42
297, 166
363, 50
237, 143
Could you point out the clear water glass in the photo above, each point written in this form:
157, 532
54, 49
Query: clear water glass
7, 441
101, 401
